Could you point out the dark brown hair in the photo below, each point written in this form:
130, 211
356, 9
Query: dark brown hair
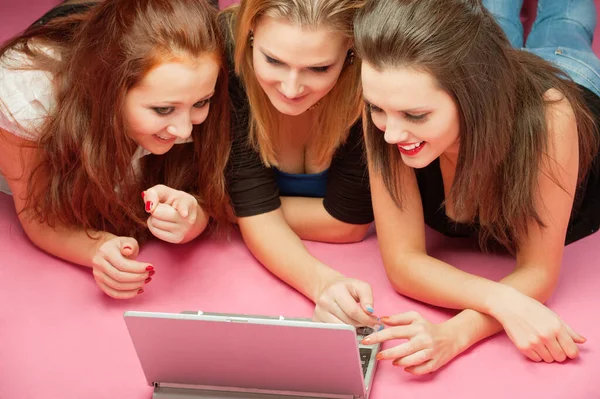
84, 175
499, 92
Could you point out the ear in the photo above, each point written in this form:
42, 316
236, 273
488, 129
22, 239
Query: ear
349, 44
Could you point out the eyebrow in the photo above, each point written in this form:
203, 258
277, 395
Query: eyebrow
415, 109
315, 65
179, 102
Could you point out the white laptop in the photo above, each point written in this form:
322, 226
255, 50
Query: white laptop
228, 356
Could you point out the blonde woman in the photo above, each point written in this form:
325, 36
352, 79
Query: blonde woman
297, 169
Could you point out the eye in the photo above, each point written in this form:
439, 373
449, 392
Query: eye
320, 69
273, 61
373, 108
163, 110
417, 118
202, 104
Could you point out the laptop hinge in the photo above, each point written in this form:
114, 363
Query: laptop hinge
185, 391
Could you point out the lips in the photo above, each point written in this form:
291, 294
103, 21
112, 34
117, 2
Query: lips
164, 139
411, 149
294, 100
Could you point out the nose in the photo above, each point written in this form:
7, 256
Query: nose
395, 133
291, 87
182, 126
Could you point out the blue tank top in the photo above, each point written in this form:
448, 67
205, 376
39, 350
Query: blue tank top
301, 184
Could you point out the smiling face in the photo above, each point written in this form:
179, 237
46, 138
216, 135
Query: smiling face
296, 68
417, 116
169, 100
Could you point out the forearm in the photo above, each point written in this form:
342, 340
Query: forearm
478, 326
72, 245
281, 251
199, 226
437, 283
309, 219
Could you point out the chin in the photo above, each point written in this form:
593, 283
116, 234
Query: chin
416, 163
156, 150
289, 109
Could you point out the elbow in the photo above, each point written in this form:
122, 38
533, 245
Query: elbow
32, 232
398, 273
351, 233
545, 288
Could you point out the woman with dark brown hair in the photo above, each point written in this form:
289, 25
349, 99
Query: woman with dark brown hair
99, 103
476, 138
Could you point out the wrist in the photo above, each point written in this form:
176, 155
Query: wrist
326, 276
497, 299
198, 227
99, 239
461, 334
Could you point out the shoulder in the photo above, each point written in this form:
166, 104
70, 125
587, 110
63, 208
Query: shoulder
560, 118
26, 95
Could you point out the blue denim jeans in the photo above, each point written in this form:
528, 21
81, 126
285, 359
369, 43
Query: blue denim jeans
562, 34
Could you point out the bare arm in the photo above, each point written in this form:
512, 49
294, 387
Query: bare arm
280, 250
338, 299
514, 303
309, 219
111, 257
539, 260
72, 245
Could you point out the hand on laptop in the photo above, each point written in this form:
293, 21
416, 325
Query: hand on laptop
173, 213
117, 272
428, 347
347, 301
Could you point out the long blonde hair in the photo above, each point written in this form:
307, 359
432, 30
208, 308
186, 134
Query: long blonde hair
338, 110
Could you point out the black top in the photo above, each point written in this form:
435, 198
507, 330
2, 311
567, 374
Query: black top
253, 187
585, 216
64, 11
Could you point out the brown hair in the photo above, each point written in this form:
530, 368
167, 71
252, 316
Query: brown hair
499, 92
84, 175
340, 108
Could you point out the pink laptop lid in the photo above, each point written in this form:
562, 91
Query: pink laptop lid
180, 349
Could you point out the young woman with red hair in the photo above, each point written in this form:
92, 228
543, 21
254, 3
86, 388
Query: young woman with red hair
102, 102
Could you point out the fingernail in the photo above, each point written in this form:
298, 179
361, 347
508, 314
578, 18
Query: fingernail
140, 291
366, 341
151, 273
369, 308
379, 356
395, 364
149, 268
148, 280
143, 194
379, 327
149, 206
126, 247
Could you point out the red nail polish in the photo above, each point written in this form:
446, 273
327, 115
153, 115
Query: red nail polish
379, 356
151, 273
148, 280
149, 206
140, 291
149, 268
143, 195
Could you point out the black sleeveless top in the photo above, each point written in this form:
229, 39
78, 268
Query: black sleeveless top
585, 216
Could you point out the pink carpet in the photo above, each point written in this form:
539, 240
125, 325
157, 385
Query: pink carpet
61, 338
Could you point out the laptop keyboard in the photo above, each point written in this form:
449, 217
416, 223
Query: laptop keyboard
365, 353
365, 357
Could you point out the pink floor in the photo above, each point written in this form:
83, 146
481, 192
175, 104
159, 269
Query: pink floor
61, 338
